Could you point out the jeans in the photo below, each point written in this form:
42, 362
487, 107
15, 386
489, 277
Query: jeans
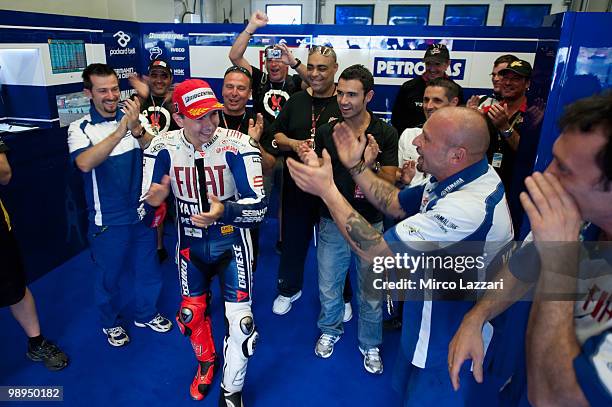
334, 257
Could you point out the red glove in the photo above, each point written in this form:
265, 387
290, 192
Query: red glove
160, 215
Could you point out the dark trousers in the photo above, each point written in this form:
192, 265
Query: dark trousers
300, 214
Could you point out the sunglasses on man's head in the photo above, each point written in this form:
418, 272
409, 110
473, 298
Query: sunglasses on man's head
236, 68
321, 49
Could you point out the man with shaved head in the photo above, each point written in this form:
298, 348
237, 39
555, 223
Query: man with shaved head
463, 200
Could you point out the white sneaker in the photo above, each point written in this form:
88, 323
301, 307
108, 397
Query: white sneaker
372, 360
158, 324
116, 335
282, 304
325, 345
348, 312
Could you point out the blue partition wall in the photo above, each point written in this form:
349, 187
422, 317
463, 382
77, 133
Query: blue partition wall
392, 53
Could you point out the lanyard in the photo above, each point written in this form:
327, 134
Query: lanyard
314, 119
239, 123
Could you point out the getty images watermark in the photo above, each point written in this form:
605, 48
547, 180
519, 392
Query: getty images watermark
513, 271
438, 270
412, 264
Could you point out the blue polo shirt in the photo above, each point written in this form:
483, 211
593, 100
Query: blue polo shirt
112, 189
468, 206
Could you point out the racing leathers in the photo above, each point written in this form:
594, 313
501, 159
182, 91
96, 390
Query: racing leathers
231, 171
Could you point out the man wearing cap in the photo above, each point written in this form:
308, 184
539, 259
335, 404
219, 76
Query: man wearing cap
509, 153
106, 145
216, 179
155, 96
408, 108
481, 101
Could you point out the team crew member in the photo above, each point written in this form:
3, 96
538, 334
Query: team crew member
506, 117
106, 145
566, 341
439, 93
155, 95
334, 255
452, 150
215, 176
236, 116
13, 290
272, 90
303, 114
407, 111
481, 102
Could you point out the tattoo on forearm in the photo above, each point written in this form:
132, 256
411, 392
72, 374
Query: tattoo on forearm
358, 168
361, 232
383, 193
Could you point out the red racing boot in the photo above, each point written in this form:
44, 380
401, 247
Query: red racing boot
203, 379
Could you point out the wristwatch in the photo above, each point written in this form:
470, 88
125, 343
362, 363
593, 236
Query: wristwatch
140, 133
297, 63
376, 167
506, 133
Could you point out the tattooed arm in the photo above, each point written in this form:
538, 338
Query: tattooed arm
382, 194
379, 192
366, 241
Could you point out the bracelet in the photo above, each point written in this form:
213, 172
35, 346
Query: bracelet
248, 32
140, 134
298, 63
357, 168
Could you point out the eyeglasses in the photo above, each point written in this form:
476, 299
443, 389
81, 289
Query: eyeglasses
236, 68
323, 50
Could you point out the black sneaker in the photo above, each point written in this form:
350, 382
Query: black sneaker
162, 255
49, 353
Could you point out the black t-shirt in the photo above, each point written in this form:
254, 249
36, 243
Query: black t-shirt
158, 112
387, 139
497, 144
408, 108
270, 97
240, 123
295, 120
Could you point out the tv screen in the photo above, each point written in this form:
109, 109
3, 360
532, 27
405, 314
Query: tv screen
67, 56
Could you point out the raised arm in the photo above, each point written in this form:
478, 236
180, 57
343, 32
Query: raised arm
379, 192
366, 241
551, 341
89, 157
236, 55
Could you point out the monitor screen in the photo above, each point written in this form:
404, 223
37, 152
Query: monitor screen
71, 106
354, 14
408, 15
521, 15
466, 15
67, 55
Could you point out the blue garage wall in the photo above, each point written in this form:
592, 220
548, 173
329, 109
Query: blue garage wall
45, 200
